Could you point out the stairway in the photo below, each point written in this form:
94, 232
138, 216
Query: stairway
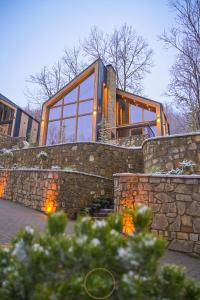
100, 208
103, 213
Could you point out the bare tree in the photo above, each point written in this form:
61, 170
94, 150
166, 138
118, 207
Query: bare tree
177, 119
72, 63
128, 52
96, 45
184, 85
48, 81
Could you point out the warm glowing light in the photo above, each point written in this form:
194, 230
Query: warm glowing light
50, 197
127, 224
128, 203
158, 118
3, 184
127, 218
94, 112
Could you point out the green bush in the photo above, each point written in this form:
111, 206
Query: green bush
53, 265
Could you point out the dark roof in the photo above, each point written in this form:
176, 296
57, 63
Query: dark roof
16, 106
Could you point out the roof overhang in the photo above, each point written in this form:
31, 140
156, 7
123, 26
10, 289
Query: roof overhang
137, 98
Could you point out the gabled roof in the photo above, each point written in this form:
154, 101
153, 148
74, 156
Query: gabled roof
120, 92
16, 106
73, 81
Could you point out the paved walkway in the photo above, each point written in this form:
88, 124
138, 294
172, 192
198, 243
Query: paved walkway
14, 216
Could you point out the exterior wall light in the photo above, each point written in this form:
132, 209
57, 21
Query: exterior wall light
3, 184
127, 208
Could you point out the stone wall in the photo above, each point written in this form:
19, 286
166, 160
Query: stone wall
8, 142
49, 191
95, 158
175, 202
166, 152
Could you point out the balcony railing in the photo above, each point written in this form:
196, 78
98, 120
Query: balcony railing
127, 128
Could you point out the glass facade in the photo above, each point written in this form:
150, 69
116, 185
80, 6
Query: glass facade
136, 114
70, 119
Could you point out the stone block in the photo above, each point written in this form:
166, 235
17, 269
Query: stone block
169, 166
176, 225
182, 197
180, 208
168, 207
186, 220
169, 187
194, 237
194, 209
143, 179
183, 189
192, 146
91, 158
196, 225
164, 197
160, 222
182, 236
181, 245
159, 188
154, 180
154, 207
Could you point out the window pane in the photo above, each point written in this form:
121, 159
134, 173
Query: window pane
85, 107
151, 131
53, 133
55, 113
84, 128
68, 130
58, 103
149, 115
136, 114
69, 110
71, 96
87, 88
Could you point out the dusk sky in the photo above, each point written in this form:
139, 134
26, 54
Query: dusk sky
35, 32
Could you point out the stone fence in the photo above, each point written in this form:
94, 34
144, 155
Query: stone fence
166, 152
94, 158
174, 200
8, 142
49, 191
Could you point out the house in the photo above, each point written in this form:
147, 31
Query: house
75, 113
16, 122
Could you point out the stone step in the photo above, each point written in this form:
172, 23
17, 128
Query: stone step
103, 213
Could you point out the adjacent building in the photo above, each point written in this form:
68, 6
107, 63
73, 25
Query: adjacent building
75, 113
16, 122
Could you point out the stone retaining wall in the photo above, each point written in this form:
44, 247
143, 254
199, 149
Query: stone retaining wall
94, 158
8, 142
175, 202
49, 191
166, 152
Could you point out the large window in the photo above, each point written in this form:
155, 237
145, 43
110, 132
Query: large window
70, 119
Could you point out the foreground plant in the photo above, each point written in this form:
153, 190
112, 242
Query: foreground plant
94, 261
